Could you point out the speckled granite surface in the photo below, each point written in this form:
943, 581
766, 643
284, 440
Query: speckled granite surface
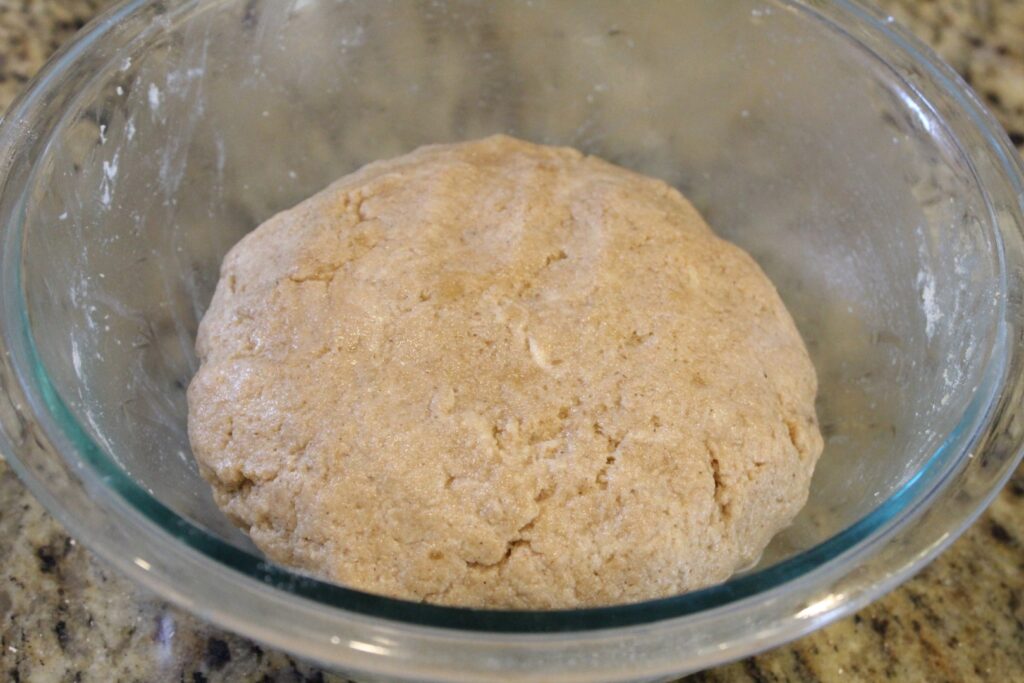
64, 616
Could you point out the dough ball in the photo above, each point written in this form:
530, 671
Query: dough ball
502, 374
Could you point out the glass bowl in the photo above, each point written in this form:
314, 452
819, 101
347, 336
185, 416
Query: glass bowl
862, 174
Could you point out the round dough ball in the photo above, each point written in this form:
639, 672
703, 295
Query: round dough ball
506, 375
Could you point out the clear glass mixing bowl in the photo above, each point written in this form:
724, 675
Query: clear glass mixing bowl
861, 173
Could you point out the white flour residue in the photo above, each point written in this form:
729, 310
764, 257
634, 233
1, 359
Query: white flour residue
107, 182
178, 81
110, 168
76, 358
926, 285
952, 376
129, 128
932, 313
154, 97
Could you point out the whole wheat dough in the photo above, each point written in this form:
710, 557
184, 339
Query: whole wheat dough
502, 374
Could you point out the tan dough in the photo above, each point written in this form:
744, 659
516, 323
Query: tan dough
501, 374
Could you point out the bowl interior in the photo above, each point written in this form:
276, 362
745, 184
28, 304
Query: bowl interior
792, 140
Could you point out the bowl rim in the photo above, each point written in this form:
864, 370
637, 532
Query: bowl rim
145, 514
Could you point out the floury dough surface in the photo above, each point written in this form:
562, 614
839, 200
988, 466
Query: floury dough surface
501, 374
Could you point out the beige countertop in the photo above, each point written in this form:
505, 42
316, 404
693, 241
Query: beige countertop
65, 616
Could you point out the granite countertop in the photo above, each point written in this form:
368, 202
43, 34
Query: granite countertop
65, 616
